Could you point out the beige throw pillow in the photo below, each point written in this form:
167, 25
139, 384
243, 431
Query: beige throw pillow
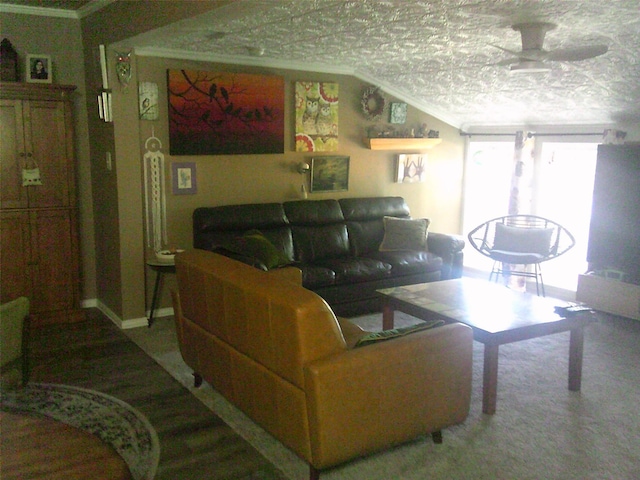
404, 234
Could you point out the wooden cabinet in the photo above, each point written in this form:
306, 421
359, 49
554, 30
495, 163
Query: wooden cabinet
39, 250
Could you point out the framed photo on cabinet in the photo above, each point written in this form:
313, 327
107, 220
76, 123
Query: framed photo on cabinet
39, 68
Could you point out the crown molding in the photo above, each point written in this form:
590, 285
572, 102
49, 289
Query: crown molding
242, 60
88, 9
43, 12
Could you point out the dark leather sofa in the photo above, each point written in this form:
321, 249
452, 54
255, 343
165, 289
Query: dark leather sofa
336, 245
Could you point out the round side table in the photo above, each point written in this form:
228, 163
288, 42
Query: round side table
160, 267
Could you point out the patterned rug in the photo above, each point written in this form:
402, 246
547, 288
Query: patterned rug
115, 422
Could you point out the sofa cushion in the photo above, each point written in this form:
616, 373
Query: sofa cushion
356, 269
313, 243
409, 262
254, 244
315, 276
217, 226
371, 208
404, 234
364, 216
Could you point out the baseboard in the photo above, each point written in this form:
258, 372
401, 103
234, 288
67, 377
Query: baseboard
122, 324
162, 312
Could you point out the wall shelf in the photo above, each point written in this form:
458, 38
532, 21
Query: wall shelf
401, 144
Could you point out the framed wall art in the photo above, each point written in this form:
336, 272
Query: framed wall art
218, 113
183, 178
38, 68
410, 168
329, 174
316, 117
398, 113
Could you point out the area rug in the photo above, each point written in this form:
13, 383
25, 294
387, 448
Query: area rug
113, 421
541, 429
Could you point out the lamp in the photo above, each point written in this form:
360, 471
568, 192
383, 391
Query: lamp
303, 167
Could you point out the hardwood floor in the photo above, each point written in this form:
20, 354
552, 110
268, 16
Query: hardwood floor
195, 443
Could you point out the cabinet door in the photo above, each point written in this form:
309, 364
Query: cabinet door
55, 277
15, 280
45, 133
12, 155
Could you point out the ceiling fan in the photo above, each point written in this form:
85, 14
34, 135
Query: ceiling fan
534, 58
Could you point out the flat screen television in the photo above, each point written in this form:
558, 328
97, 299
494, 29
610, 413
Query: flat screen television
614, 232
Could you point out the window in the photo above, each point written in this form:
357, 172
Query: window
561, 190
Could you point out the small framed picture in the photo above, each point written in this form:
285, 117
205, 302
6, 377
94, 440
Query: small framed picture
410, 168
329, 174
183, 178
39, 68
398, 113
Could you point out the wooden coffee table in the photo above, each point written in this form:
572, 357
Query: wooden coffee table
497, 316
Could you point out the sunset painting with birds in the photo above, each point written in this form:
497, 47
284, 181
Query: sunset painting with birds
213, 113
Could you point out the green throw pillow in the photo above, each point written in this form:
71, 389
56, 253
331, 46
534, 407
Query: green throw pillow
404, 234
375, 337
254, 244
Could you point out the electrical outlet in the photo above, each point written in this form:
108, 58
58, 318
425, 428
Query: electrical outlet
108, 160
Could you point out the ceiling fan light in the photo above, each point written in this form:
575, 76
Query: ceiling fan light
530, 67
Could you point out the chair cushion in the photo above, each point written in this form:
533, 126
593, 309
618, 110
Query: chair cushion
522, 239
404, 234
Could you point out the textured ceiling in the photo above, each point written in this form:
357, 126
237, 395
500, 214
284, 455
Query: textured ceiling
437, 55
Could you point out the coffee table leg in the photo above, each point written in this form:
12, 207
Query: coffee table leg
387, 317
576, 344
490, 379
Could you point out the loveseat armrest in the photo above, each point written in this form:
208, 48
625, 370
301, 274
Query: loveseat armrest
372, 397
449, 248
291, 274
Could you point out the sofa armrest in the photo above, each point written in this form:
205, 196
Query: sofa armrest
291, 274
449, 248
375, 396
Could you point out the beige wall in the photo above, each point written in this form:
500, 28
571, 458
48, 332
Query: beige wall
61, 39
232, 179
110, 201
123, 283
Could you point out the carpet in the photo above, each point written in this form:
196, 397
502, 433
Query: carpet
540, 430
113, 421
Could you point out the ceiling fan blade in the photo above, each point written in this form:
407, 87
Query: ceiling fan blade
512, 52
508, 61
576, 54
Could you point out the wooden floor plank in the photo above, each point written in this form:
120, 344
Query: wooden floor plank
195, 443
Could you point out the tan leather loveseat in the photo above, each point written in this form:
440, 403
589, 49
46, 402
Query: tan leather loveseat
276, 351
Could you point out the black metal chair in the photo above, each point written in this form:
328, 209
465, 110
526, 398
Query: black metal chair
521, 240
